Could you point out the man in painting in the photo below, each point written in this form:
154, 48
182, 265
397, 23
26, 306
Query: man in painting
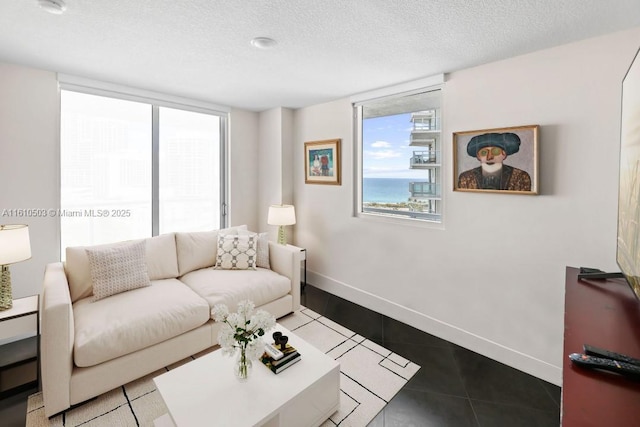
491, 149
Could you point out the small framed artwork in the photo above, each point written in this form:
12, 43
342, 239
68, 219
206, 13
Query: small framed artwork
502, 160
322, 162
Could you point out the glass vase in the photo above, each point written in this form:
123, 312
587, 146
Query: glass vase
243, 364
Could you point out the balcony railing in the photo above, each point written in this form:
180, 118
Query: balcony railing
423, 159
423, 139
425, 120
424, 189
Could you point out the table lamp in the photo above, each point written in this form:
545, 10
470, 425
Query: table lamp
14, 247
281, 215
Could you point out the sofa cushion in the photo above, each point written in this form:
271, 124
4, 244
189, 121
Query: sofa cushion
232, 286
130, 321
236, 252
117, 269
198, 249
161, 259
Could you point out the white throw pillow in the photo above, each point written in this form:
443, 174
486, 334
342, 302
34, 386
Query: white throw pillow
262, 258
236, 252
118, 269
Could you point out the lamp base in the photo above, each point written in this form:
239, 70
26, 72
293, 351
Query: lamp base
6, 298
282, 238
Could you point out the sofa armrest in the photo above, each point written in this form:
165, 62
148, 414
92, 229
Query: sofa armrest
285, 260
56, 340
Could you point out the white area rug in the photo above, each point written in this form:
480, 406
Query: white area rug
370, 376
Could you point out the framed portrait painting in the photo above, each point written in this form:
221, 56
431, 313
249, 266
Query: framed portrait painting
322, 162
502, 160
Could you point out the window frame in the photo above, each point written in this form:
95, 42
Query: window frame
156, 101
358, 101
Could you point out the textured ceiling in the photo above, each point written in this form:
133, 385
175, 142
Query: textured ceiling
327, 49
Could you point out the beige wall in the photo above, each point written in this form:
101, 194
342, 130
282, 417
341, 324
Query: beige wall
493, 279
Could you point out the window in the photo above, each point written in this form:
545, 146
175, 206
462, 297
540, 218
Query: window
400, 156
132, 169
189, 171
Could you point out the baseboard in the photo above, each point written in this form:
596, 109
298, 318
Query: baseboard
451, 333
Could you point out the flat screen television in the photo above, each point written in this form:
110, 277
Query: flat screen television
628, 235
628, 245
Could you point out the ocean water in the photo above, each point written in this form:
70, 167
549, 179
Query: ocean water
389, 190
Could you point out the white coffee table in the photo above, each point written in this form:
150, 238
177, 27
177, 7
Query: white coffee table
205, 392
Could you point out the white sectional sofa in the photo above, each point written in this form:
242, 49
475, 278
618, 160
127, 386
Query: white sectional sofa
89, 347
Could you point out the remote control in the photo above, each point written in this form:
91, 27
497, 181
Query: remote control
606, 354
273, 352
592, 362
590, 270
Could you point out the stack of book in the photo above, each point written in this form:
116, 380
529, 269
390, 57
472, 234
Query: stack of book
289, 357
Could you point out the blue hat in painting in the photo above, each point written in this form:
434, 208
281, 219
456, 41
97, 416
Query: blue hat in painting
509, 142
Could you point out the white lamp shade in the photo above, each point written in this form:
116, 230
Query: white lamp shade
14, 243
281, 215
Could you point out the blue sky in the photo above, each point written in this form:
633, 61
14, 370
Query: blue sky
386, 150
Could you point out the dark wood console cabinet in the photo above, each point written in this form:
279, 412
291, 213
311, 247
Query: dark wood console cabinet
605, 314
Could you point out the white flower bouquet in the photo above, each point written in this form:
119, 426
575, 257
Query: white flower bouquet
243, 330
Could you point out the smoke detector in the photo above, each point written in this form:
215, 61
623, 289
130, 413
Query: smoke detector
263, 43
57, 7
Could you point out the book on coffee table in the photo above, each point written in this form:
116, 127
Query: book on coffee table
268, 362
289, 352
290, 356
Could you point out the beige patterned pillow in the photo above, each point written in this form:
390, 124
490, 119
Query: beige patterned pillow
236, 252
118, 269
262, 257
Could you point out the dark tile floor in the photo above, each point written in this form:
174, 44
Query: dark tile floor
13, 409
455, 387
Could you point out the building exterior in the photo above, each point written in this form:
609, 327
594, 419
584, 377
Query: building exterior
425, 136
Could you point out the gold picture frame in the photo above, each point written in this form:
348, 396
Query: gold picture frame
499, 160
322, 162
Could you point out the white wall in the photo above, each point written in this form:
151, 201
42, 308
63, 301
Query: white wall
269, 164
242, 160
275, 149
29, 129
493, 279
497, 290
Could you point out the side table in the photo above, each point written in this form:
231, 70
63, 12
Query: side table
303, 251
16, 356
303, 259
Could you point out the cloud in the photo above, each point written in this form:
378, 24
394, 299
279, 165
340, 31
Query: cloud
382, 154
380, 144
